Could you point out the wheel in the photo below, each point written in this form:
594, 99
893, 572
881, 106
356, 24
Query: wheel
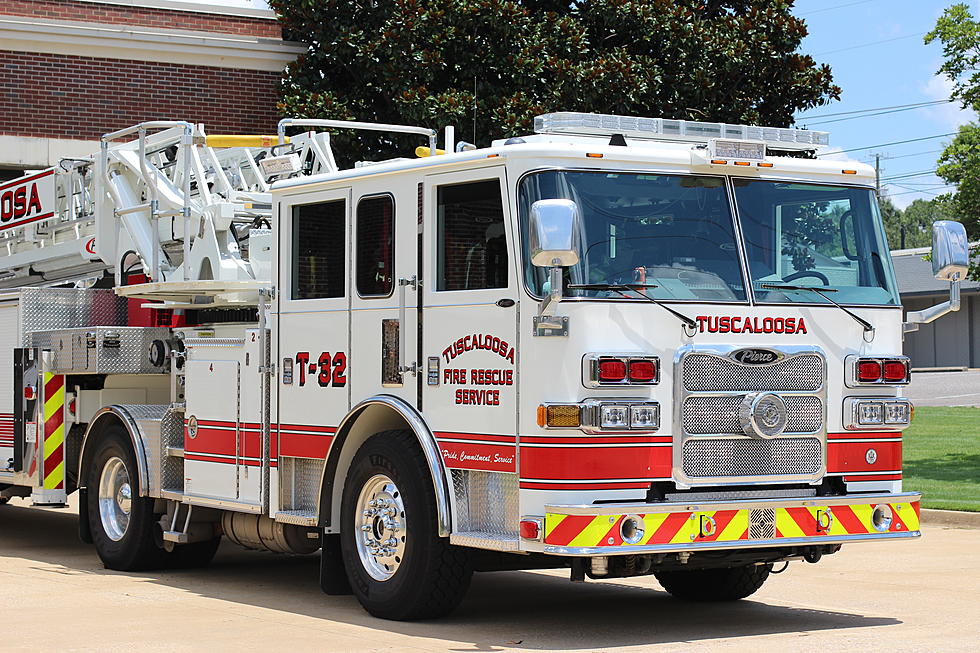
728, 584
398, 566
4, 500
193, 555
122, 522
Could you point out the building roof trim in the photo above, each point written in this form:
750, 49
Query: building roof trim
146, 44
196, 7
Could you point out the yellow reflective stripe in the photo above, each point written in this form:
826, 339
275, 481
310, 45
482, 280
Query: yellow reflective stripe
592, 534
53, 441
54, 403
651, 524
551, 521
786, 525
56, 476
907, 513
685, 532
738, 525
863, 512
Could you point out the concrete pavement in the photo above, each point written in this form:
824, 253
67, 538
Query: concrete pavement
905, 596
944, 388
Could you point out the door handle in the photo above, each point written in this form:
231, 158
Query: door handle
402, 330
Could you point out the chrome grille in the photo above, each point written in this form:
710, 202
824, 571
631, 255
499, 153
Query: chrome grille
725, 457
703, 414
707, 373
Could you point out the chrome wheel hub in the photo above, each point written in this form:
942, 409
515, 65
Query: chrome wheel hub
115, 498
379, 520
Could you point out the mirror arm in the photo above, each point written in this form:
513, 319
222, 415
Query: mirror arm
933, 313
549, 305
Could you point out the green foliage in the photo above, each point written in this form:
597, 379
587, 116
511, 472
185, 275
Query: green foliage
959, 163
960, 36
489, 66
912, 227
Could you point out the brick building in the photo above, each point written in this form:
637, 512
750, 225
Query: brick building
71, 70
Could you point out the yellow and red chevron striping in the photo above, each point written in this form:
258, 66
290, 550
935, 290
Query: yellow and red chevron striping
731, 525
53, 468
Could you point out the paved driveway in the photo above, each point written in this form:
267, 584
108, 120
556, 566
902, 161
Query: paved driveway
905, 596
944, 388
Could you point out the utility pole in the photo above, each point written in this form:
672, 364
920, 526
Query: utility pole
878, 175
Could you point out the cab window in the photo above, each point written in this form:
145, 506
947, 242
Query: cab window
318, 261
375, 246
472, 246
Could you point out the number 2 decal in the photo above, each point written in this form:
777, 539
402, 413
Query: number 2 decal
331, 371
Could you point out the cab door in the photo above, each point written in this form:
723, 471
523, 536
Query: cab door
312, 335
470, 315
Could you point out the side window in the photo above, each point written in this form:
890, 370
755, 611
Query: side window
375, 246
472, 247
318, 259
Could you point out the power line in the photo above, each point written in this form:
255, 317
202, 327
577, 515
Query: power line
871, 147
879, 113
849, 4
905, 156
909, 175
868, 45
907, 192
850, 113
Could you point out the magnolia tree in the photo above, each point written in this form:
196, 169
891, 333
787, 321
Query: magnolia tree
489, 66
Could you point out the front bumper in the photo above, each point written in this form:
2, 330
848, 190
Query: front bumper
630, 529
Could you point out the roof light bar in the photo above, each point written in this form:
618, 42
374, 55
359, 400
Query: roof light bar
596, 124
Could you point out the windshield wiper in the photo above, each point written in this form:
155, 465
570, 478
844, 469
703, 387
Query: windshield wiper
621, 289
820, 291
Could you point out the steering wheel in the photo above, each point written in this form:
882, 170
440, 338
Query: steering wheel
808, 273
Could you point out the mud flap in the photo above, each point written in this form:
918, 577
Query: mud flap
333, 576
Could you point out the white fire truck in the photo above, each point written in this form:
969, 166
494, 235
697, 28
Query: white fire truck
621, 346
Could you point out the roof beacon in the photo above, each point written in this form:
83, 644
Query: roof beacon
661, 129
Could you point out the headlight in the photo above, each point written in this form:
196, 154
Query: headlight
865, 413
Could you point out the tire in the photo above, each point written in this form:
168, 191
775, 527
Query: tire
124, 540
705, 585
194, 555
417, 575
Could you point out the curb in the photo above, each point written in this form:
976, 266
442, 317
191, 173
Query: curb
954, 518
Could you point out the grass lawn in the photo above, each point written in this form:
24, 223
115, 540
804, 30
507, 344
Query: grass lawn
942, 457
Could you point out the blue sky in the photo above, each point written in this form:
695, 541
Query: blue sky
875, 50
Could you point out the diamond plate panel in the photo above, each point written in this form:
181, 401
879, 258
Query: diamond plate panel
172, 467
299, 484
100, 350
723, 457
486, 503
707, 372
43, 309
719, 414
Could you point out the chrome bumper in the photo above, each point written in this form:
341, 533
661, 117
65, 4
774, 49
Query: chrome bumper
630, 529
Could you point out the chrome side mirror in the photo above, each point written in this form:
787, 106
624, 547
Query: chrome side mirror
950, 251
554, 243
950, 262
554, 236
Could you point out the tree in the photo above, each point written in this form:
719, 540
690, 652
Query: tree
910, 228
959, 163
489, 66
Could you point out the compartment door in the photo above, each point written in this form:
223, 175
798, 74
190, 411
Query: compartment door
213, 442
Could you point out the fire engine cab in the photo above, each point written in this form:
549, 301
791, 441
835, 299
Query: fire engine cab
619, 345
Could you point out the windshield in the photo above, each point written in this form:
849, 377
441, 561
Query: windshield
672, 231
826, 237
